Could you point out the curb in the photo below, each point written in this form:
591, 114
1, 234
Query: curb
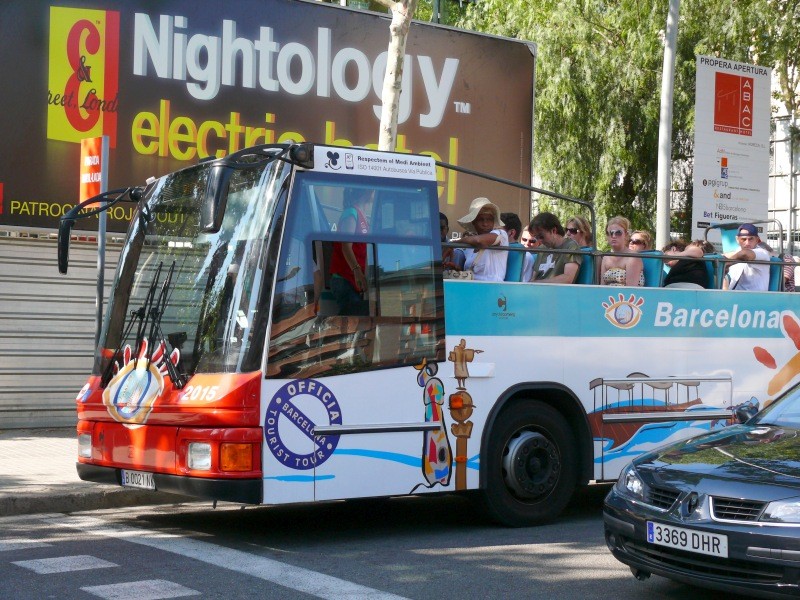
80, 500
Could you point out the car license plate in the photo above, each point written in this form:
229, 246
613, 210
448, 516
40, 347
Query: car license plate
690, 540
138, 479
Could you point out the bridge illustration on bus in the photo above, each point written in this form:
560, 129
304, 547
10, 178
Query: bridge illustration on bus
279, 330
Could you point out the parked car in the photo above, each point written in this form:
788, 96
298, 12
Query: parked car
721, 510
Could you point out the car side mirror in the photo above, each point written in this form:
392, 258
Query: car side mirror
745, 412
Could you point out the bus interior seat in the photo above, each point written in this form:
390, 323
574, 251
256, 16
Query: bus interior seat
653, 268
775, 274
586, 269
514, 263
715, 269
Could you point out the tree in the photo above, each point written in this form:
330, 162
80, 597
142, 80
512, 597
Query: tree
402, 13
598, 84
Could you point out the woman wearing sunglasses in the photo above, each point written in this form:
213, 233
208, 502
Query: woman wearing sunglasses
620, 270
579, 230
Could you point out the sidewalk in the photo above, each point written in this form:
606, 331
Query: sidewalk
37, 474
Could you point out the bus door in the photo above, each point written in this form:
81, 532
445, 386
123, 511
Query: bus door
352, 404
634, 414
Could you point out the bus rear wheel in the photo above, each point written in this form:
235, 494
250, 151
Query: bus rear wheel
531, 465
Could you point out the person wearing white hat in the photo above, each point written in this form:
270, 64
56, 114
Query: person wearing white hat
484, 229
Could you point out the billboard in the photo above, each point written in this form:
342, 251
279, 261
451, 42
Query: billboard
175, 81
731, 143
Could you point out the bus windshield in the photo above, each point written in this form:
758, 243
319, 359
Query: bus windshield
195, 291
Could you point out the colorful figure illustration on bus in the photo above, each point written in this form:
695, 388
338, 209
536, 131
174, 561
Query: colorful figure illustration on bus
460, 355
138, 382
437, 457
461, 407
791, 369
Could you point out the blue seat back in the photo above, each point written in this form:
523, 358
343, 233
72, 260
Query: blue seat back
775, 274
653, 268
715, 269
514, 263
586, 270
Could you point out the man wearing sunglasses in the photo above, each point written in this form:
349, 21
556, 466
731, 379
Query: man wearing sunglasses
553, 267
746, 275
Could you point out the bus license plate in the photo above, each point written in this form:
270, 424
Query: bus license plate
138, 479
690, 540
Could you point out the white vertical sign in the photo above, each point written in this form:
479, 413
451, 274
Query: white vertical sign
731, 143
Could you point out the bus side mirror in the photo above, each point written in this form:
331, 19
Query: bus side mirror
64, 230
216, 198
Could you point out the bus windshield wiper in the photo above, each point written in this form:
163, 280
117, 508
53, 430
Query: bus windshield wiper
149, 314
156, 314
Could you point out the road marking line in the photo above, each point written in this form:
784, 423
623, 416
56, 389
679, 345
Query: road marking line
64, 564
150, 589
295, 578
21, 544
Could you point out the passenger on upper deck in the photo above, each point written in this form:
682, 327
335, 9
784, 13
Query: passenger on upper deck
620, 270
686, 270
640, 241
745, 275
579, 230
484, 229
516, 260
552, 267
528, 240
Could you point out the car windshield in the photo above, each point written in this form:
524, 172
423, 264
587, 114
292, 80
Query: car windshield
208, 285
785, 412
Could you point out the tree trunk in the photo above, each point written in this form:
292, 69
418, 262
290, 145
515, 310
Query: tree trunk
402, 13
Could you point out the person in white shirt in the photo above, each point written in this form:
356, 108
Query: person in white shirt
484, 229
747, 275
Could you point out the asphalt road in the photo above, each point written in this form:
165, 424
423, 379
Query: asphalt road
438, 547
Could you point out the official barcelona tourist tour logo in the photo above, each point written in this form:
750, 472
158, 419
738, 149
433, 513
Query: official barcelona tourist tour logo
83, 93
293, 414
624, 312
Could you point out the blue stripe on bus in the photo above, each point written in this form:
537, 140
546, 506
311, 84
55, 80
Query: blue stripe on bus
513, 309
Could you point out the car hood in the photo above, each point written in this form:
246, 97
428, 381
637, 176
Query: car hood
755, 454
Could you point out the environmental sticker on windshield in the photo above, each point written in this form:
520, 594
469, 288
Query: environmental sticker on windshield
377, 164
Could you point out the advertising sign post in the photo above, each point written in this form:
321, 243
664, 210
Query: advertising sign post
731, 144
94, 181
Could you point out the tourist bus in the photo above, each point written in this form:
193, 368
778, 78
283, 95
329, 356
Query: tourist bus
225, 369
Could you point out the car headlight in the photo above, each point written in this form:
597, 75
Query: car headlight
783, 511
629, 483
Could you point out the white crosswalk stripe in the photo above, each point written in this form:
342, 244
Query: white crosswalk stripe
21, 544
151, 589
64, 564
288, 576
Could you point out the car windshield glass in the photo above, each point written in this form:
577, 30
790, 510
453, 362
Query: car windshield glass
782, 413
208, 284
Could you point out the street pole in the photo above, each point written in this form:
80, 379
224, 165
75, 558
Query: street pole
101, 245
664, 182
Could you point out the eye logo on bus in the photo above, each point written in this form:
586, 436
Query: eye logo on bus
623, 312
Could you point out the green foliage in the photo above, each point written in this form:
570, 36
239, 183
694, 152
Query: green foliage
598, 86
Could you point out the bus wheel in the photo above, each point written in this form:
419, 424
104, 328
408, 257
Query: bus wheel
531, 465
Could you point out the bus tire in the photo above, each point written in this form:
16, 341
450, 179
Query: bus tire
531, 463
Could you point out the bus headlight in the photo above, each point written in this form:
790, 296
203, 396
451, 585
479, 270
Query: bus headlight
199, 456
85, 445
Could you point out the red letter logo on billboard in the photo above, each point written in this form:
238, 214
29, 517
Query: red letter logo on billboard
84, 73
733, 104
